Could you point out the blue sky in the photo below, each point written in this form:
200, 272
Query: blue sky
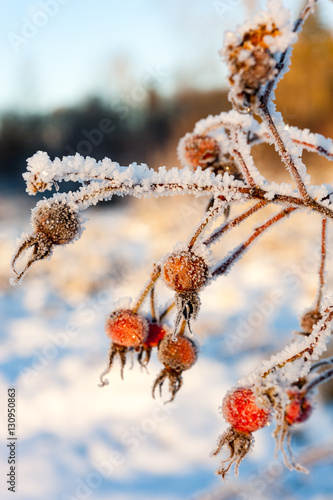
56, 52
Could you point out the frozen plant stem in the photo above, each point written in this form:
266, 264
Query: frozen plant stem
234, 222
224, 267
212, 212
153, 278
285, 155
323, 377
322, 261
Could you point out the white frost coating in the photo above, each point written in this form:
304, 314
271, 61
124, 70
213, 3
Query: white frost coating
312, 142
107, 178
293, 150
305, 352
245, 150
226, 120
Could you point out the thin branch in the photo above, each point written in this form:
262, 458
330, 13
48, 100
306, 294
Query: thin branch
323, 377
285, 155
234, 222
311, 344
152, 304
153, 278
322, 262
210, 214
321, 362
223, 268
239, 158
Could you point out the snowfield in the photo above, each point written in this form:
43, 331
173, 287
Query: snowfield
79, 441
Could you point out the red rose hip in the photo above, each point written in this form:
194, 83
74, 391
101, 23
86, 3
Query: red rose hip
240, 409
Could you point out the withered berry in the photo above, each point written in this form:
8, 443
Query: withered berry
310, 319
199, 151
57, 221
54, 223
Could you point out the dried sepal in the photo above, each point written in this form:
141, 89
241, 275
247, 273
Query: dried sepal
297, 410
239, 445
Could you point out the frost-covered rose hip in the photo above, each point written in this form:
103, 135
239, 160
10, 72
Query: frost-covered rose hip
198, 151
309, 319
54, 223
127, 330
156, 332
299, 409
58, 221
177, 355
241, 410
185, 273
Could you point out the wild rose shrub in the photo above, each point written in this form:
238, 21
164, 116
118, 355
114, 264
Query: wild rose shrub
217, 164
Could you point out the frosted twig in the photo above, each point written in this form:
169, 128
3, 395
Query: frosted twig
284, 153
323, 377
153, 278
234, 222
320, 363
208, 217
322, 261
225, 265
236, 152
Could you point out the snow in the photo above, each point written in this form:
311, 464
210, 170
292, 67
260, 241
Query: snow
54, 348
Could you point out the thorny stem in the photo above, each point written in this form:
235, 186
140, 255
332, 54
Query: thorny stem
322, 262
223, 268
323, 377
234, 222
214, 210
153, 278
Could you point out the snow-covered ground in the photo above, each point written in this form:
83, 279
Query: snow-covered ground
79, 441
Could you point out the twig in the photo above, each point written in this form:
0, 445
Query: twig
322, 262
223, 268
234, 222
153, 278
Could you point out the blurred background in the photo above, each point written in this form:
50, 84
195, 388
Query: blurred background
126, 80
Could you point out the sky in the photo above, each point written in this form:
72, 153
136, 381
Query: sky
55, 53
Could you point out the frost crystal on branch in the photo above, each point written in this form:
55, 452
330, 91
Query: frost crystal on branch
217, 163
